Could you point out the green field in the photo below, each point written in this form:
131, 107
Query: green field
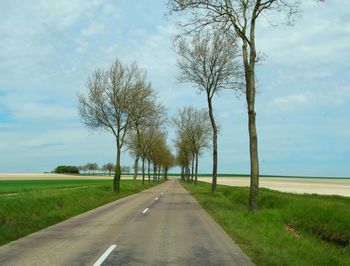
39, 204
288, 229
15, 186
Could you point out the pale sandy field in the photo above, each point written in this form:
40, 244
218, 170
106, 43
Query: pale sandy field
41, 176
294, 185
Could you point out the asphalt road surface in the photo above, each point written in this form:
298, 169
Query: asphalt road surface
163, 225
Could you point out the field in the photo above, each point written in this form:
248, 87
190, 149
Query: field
323, 186
288, 229
310, 185
28, 206
16, 186
47, 176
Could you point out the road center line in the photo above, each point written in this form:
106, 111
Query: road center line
145, 210
105, 255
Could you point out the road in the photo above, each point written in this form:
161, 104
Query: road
163, 225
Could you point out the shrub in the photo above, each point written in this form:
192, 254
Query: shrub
66, 169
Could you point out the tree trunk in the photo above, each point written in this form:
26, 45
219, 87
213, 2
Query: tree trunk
249, 66
196, 170
188, 173
149, 171
117, 174
182, 173
143, 170
215, 144
166, 173
136, 169
159, 174
154, 172
254, 163
192, 167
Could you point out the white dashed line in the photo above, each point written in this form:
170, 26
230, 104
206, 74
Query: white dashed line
105, 255
145, 210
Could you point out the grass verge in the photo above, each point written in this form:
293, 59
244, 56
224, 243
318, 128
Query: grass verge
38, 208
288, 229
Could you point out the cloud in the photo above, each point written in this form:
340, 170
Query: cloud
333, 98
92, 29
42, 111
45, 145
291, 101
49, 48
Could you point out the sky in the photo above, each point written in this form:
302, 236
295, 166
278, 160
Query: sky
49, 48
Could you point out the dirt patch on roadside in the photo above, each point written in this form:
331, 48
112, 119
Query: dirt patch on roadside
292, 230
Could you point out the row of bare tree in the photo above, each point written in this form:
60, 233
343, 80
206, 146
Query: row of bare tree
217, 50
217, 33
121, 101
193, 136
148, 144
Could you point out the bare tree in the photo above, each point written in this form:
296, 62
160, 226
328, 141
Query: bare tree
108, 167
93, 168
156, 152
111, 102
184, 157
151, 138
168, 161
238, 18
125, 169
148, 138
147, 113
209, 62
192, 126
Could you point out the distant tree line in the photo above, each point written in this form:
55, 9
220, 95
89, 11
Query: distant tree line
108, 168
90, 168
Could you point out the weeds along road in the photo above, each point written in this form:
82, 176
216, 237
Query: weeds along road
163, 225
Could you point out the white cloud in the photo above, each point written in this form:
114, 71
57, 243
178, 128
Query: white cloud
92, 29
291, 101
42, 111
330, 97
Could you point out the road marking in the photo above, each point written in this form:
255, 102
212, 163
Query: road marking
156, 198
145, 210
161, 193
105, 255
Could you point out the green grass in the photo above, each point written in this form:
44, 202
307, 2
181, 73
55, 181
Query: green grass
42, 205
288, 229
14, 186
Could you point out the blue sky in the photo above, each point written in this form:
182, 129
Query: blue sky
48, 49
